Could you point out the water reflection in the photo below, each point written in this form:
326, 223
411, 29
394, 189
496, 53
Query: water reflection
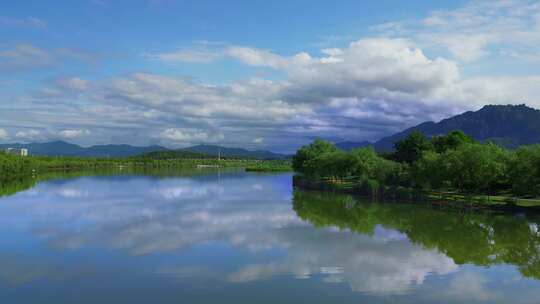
478, 238
237, 233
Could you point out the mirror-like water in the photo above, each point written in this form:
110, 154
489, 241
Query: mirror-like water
249, 238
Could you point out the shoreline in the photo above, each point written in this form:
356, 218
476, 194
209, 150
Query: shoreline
443, 200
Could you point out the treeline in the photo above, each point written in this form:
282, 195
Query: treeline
451, 162
13, 165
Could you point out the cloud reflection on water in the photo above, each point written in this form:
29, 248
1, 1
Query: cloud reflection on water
144, 216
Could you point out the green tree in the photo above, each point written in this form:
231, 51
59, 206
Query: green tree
524, 170
309, 152
366, 162
430, 171
476, 167
412, 147
334, 165
451, 141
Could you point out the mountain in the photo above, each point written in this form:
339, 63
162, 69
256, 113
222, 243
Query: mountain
508, 125
349, 145
62, 148
235, 152
175, 154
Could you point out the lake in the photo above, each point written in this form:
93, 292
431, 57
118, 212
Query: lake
236, 237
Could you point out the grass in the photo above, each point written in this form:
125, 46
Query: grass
270, 166
493, 200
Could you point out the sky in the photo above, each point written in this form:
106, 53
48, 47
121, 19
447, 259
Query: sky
257, 74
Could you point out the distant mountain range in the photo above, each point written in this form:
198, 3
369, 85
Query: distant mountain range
62, 148
508, 125
212, 151
235, 152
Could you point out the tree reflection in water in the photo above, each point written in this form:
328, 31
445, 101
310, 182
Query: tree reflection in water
482, 239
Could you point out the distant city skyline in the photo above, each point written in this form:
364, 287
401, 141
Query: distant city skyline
257, 74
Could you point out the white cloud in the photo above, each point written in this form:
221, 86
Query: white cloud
372, 87
258, 140
31, 134
474, 31
470, 286
257, 57
29, 22
4, 134
368, 89
241, 100
24, 56
187, 55
73, 133
73, 84
190, 136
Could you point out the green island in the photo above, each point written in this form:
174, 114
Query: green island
448, 168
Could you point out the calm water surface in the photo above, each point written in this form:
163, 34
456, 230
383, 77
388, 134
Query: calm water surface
249, 238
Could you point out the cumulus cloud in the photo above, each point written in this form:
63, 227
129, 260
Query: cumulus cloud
241, 100
378, 68
190, 136
367, 89
73, 133
4, 134
30, 134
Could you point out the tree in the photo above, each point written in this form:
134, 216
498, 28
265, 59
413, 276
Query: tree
309, 152
366, 162
334, 165
451, 141
430, 171
476, 167
524, 171
410, 149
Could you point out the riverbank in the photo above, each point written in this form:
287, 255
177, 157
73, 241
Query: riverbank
443, 199
11, 165
19, 173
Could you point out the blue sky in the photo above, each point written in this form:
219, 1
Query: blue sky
260, 74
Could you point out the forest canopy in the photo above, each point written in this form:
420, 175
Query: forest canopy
452, 161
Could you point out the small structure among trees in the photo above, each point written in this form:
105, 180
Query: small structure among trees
17, 151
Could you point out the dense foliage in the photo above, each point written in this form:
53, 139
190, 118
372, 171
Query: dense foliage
269, 166
452, 162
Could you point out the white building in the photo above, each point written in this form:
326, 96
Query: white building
15, 151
